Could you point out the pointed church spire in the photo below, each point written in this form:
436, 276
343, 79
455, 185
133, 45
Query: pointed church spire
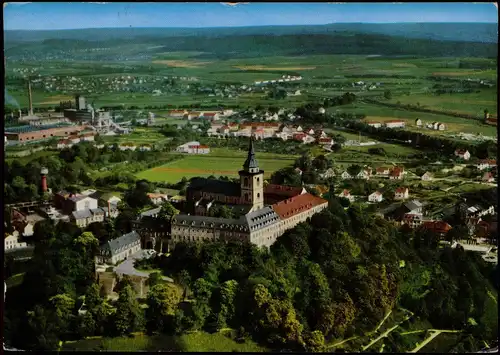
251, 163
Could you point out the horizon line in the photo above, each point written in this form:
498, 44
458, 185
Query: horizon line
255, 26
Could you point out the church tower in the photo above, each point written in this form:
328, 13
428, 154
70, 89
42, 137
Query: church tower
252, 181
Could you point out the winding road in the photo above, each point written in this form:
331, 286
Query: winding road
127, 267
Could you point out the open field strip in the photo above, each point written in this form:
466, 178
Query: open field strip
220, 162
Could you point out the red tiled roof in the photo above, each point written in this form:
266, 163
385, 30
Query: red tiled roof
460, 151
282, 190
224, 127
203, 146
260, 124
437, 226
396, 171
299, 135
394, 121
374, 122
209, 114
325, 140
298, 204
382, 169
401, 190
260, 130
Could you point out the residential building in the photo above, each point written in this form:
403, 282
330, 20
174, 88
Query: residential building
363, 174
69, 202
382, 171
374, 124
212, 116
427, 176
298, 171
12, 241
119, 249
325, 141
193, 148
462, 154
345, 175
396, 173
486, 164
64, 143
85, 217
327, 174
177, 113
395, 124
414, 206
418, 122
401, 193
158, 198
375, 197
346, 194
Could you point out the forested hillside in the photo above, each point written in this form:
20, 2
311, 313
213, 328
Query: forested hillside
332, 278
248, 46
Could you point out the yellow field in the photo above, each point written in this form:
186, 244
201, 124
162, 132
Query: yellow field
181, 63
263, 68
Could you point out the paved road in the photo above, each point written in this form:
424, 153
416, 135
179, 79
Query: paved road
127, 267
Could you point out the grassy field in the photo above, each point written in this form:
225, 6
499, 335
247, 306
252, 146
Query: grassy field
466, 103
194, 342
343, 69
381, 113
218, 163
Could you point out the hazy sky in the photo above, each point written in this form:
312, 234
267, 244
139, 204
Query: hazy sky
46, 16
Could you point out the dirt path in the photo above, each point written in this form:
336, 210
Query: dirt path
435, 333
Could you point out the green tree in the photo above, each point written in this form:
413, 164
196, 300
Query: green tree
162, 301
315, 342
388, 94
154, 279
128, 317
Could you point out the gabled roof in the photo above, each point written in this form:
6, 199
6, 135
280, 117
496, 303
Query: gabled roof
215, 186
116, 244
82, 214
298, 204
262, 218
437, 226
401, 190
396, 171
413, 205
282, 190
376, 193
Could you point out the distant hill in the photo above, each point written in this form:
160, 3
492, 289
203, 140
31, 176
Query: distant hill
462, 32
248, 46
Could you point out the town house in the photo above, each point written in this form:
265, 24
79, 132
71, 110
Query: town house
401, 193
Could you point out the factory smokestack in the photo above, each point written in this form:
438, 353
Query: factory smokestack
30, 98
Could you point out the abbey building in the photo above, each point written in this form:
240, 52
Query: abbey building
260, 212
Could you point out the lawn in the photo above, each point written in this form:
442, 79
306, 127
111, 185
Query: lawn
216, 164
194, 342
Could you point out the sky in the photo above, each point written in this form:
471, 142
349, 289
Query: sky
73, 15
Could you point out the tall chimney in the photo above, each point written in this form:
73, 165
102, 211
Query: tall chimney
30, 98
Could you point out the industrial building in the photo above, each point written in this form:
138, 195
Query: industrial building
30, 133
